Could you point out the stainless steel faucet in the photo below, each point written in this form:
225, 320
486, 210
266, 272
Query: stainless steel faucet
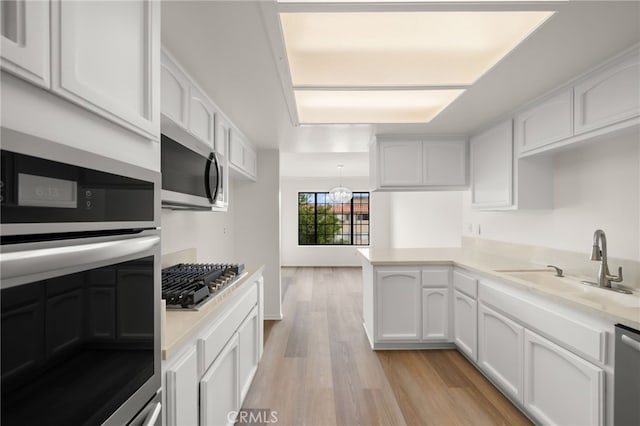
599, 253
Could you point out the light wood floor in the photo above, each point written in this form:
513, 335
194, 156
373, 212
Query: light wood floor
318, 368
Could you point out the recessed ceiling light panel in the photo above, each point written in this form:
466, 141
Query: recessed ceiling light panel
371, 106
401, 48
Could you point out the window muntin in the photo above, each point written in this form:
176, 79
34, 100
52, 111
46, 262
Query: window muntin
323, 222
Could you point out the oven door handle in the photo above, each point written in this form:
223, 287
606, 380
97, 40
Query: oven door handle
47, 260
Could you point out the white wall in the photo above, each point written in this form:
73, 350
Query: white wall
295, 255
257, 227
596, 186
425, 219
210, 233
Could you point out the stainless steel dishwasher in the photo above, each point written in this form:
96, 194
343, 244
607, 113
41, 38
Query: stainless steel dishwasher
627, 377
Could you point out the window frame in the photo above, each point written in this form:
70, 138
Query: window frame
352, 216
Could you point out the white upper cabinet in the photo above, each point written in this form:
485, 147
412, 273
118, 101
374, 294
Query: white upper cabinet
222, 135
492, 167
610, 96
548, 121
242, 156
400, 163
501, 182
201, 117
174, 92
410, 164
106, 58
445, 163
25, 40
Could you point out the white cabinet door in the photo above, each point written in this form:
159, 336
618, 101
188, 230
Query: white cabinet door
435, 314
500, 346
548, 121
182, 391
610, 96
250, 161
222, 135
445, 163
465, 323
560, 387
106, 58
25, 40
174, 92
492, 167
400, 163
249, 342
242, 156
201, 117
398, 305
219, 387
236, 149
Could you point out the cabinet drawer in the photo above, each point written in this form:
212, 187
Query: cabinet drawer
437, 277
465, 283
210, 345
567, 329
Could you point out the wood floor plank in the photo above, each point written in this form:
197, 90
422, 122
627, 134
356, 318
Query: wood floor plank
318, 367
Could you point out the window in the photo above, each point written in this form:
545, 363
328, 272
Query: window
323, 222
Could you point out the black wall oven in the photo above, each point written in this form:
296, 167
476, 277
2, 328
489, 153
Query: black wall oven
80, 287
191, 175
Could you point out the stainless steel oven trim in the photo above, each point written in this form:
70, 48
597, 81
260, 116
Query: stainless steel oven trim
20, 265
31, 145
146, 243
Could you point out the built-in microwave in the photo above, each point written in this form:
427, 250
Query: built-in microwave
192, 177
79, 286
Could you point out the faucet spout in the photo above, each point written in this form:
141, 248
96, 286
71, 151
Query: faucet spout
599, 253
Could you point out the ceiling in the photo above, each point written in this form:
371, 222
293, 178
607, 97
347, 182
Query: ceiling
225, 46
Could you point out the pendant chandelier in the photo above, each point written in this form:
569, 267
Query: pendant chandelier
340, 194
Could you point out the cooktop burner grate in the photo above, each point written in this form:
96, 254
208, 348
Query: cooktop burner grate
189, 285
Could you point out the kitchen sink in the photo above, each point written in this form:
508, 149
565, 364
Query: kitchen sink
547, 279
573, 287
599, 295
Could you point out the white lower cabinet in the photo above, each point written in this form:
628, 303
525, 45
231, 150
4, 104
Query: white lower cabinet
219, 387
465, 323
208, 381
249, 342
182, 390
435, 314
398, 305
500, 350
560, 387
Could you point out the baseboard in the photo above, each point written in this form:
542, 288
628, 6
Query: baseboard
390, 346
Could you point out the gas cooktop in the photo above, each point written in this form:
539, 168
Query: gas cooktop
190, 285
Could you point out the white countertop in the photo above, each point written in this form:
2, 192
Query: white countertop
489, 264
180, 326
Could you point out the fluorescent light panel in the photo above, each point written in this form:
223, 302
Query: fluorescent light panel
371, 106
401, 48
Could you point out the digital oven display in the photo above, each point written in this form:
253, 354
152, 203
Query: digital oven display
40, 191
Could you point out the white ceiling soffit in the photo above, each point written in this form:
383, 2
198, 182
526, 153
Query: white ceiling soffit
371, 106
227, 47
324, 165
